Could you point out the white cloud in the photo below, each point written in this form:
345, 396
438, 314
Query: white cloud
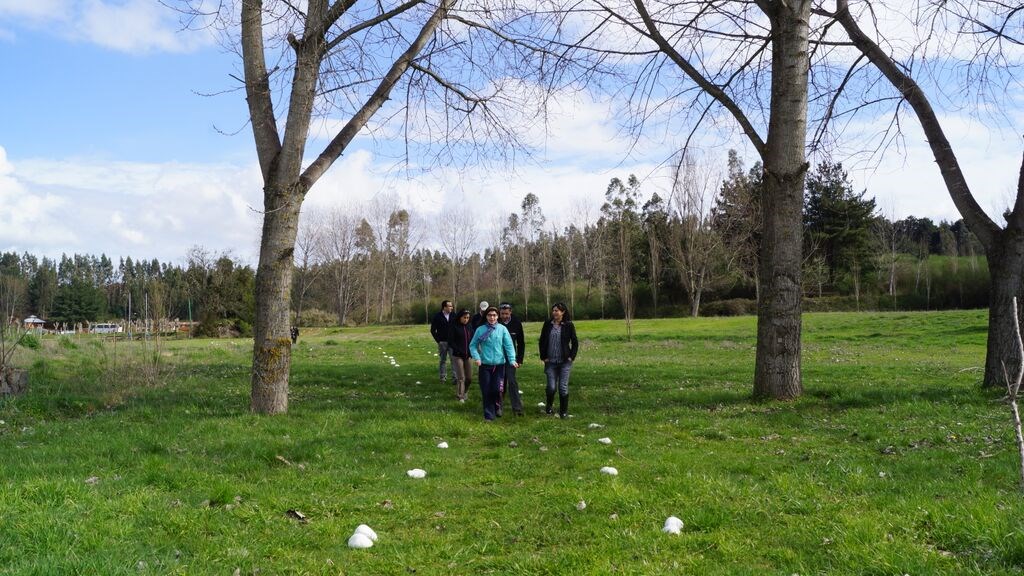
132, 209
36, 10
134, 26
131, 26
28, 220
910, 183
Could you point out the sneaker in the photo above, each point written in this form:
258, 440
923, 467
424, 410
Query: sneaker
462, 400
497, 412
549, 411
519, 412
563, 415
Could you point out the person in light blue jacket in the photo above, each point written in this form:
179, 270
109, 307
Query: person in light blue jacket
492, 348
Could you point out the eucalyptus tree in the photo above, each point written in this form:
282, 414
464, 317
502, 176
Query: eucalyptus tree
655, 227
979, 43
620, 212
441, 80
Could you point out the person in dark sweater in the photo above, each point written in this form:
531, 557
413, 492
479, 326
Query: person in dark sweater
558, 348
458, 346
478, 318
440, 325
515, 329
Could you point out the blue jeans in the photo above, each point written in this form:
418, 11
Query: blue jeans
512, 389
558, 377
492, 379
444, 353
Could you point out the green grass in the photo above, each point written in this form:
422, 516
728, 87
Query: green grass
893, 462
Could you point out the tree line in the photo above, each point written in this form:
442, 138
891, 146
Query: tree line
692, 252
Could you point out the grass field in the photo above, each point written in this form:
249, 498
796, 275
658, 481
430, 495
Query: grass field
894, 462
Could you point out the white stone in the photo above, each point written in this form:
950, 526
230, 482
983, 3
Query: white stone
595, 425
417, 473
605, 440
581, 505
359, 540
673, 525
442, 445
364, 529
609, 471
541, 404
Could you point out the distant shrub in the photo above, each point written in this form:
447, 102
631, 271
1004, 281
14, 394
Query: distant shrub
244, 328
316, 318
30, 341
731, 307
67, 343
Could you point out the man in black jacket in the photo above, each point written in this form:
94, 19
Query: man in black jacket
440, 326
515, 329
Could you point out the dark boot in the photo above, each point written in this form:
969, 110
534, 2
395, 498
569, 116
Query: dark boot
563, 406
550, 401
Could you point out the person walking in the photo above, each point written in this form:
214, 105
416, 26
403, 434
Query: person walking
558, 348
440, 325
458, 346
492, 347
479, 319
515, 330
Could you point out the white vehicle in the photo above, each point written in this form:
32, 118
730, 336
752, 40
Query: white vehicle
106, 328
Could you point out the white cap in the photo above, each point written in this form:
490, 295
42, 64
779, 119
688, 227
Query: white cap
484, 305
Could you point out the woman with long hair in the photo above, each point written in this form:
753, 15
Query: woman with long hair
458, 345
558, 349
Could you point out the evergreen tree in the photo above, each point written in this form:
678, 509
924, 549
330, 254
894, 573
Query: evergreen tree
77, 301
837, 222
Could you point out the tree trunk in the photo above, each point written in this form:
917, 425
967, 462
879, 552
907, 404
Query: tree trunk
272, 349
1006, 274
13, 381
777, 366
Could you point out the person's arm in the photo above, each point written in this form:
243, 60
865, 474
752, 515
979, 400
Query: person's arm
510, 349
574, 343
434, 329
520, 344
473, 347
540, 343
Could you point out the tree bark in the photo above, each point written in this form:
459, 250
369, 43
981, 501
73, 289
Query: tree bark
285, 181
272, 348
1004, 247
1006, 274
777, 365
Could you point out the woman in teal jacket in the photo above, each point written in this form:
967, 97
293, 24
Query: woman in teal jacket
492, 348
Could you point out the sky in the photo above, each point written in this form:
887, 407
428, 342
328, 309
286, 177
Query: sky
123, 134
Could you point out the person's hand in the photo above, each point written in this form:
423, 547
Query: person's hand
515, 365
479, 362
544, 360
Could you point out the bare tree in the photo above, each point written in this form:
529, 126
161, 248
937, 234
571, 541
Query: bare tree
308, 249
457, 67
497, 236
695, 244
338, 254
457, 233
12, 332
992, 24
750, 60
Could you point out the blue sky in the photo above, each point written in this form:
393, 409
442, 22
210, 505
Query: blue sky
106, 145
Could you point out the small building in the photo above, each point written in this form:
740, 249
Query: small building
34, 323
